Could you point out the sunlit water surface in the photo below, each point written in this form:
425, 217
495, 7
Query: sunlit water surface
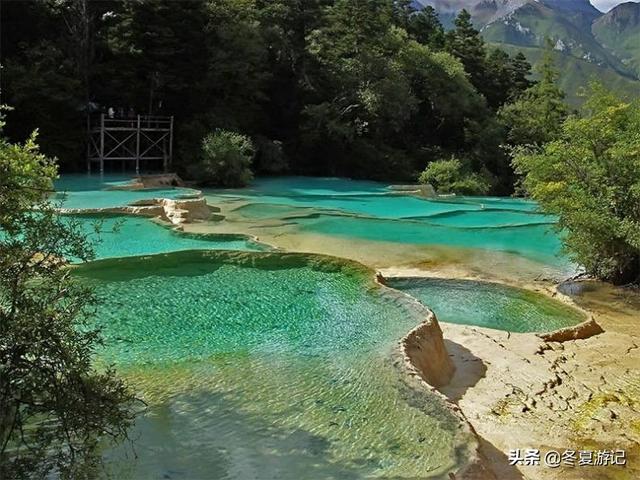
260, 366
130, 235
95, 191
489, 305
371, 211
263, 366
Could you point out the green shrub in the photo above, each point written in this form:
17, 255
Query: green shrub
225, 160
590, 178
449, 176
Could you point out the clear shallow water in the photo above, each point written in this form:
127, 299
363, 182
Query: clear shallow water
374, 213
93, 191
380, 204
309, 186
129, 235
280, 366
486, 219
370, 211
366, 198
267, 366
489, 305
534, 242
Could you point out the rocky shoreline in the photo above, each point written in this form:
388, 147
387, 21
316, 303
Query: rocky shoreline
565, 391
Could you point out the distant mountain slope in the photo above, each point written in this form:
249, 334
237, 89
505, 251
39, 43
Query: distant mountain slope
487, 11
482, 11
575, 74
619, 31
574, 6
569, 30
589, 43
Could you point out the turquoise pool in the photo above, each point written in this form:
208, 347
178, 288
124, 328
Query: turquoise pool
365, 198
274, 365
95, 191
489, 305
371, 211
129, 235
358, 209
534, 242
268, 366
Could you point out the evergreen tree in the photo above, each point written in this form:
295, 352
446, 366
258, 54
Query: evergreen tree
493, 73
332, 82
384, 101
164, 62
465, 43
499, 81
285, 25
403, 10
358, 95
425, 27
520, 75
537, 115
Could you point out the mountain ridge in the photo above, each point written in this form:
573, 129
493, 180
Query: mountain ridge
610, 41
619, 32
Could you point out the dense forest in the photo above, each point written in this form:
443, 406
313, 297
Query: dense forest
370, 88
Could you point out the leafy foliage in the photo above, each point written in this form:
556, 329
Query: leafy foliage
449, 176
55, 407
589, 176
225, 160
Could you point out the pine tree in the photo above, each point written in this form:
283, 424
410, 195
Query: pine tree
536, 116
498, 83
520, 73
425, 27
465, 43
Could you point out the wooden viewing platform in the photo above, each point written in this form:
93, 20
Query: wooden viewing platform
139, 138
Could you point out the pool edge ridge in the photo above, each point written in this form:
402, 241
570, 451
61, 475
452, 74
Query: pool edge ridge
416, 349
470, 464
583, 330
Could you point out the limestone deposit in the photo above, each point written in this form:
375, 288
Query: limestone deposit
573, 389
174, 211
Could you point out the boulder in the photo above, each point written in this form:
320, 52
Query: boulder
581, 331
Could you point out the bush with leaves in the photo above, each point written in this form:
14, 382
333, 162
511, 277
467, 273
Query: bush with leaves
225, 160
590, 178
56, 408
450, 176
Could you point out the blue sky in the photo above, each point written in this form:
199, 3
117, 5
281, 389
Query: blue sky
606, 5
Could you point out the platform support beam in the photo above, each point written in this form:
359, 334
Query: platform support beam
138, 147
130, 140
101, 143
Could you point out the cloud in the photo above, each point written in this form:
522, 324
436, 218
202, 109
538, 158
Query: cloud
606, 5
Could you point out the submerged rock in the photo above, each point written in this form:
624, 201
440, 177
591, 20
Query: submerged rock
161, 180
